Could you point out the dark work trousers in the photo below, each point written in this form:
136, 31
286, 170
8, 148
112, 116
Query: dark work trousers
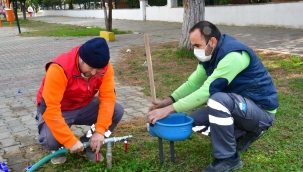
86, 115
229, 116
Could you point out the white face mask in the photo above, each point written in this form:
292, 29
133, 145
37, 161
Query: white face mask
200, 54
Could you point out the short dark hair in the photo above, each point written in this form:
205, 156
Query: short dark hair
207, 29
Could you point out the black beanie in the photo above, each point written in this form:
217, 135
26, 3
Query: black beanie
95, 53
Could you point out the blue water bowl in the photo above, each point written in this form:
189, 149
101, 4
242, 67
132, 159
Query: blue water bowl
175, 127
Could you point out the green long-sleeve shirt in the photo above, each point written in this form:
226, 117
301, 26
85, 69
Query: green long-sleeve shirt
195, 91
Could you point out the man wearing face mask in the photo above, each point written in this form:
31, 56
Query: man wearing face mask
240, 95
67, 97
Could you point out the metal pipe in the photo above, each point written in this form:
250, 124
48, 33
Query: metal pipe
116, 139
109, 155
107, 141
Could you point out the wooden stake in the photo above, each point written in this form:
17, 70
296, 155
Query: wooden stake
150, 68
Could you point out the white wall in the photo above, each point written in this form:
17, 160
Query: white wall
289, 15
127, 14
117, 14
164, 14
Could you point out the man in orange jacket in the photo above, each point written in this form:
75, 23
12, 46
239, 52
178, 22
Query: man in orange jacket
67, 97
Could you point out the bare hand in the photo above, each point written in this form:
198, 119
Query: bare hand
158, 114
156, 105
78, 147
160, 104
96, 141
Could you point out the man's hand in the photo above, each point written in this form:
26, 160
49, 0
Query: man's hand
160, 104
96, 141
158, 114
78, 147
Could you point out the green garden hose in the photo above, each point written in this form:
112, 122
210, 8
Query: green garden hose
50, 156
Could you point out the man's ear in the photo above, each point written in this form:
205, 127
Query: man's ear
213, 42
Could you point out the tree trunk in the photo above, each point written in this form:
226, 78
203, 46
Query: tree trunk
105, 14
194, 11
110, 9
70, 5
108, 19
22, 2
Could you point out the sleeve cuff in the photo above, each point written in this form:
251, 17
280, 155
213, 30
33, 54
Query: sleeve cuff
100, 130
172, 99
177, 109
70, 143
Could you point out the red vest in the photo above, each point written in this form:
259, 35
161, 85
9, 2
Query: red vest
79, 91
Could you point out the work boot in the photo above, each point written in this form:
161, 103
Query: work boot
60, 159
92, 155
224, 165
246, 140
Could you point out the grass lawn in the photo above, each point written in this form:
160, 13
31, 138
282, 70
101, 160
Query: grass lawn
280, 149
39, 28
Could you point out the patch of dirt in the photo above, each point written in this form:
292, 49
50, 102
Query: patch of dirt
138, 54
165, 63
269, 54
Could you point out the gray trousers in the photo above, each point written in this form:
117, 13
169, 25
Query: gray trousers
86, 115
229, 116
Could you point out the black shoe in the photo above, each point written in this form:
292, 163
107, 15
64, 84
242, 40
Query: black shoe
244, 141
224, 165
84, 139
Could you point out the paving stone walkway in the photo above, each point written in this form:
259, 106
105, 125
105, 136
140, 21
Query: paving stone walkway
22, 61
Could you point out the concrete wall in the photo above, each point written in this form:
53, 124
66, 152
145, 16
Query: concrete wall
164, 14
288, 15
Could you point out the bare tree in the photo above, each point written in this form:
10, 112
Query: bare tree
22, 2
194, 11
108, 18
70, 6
